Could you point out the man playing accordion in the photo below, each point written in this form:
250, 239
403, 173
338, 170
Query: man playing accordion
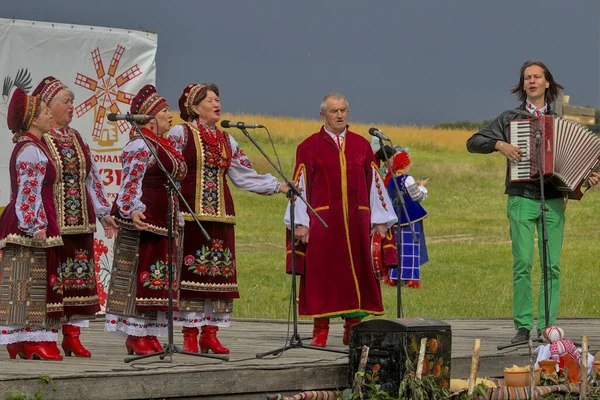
536, 90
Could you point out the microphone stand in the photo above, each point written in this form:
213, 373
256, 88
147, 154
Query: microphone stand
170, 348
544, 260
295, 341
398, 200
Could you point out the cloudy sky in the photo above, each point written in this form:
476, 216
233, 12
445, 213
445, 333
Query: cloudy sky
400, 62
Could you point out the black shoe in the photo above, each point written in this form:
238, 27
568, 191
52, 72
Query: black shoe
521, 336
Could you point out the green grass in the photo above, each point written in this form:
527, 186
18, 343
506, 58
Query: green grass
470, 268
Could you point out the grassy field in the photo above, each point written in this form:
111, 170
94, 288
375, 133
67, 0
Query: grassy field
469, 273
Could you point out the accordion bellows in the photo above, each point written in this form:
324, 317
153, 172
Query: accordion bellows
569, 153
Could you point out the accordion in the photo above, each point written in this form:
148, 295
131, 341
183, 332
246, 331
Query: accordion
569, 153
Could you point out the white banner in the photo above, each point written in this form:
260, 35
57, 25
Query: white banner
104, 67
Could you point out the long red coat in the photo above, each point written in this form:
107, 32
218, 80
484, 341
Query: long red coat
336, 275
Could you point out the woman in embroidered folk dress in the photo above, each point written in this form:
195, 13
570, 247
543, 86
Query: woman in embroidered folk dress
29, 236
209, 274
81, 199
141, 248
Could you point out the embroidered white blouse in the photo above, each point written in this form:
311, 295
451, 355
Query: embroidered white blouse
136, 158
240, 172
416, 192
31, 164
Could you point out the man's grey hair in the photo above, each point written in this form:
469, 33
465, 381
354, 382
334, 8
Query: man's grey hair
336, 96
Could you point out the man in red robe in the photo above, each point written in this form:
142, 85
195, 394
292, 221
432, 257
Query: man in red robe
340, 178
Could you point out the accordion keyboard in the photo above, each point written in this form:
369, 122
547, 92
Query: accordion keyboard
521, 137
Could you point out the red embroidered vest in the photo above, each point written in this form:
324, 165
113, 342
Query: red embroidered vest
74, 208
205, 186
9, 223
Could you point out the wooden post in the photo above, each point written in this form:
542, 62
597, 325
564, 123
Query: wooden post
532, 371
358, 379
419, 371
583, 391
474, 366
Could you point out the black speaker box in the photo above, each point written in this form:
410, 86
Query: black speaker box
393, 342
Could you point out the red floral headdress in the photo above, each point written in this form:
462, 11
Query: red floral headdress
401, 161
188, 98
21, 111
147, 101
48, 88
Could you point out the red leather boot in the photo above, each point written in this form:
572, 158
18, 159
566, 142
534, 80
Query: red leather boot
53, 348
349, 323
41, 351
414, 284
15, 349
138, 345
320, 332
154, 344
209, 341
71, 343
190, 339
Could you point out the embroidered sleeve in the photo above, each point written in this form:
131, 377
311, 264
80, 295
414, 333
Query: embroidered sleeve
382, 211
177, 137
300, 209
416, 192
31, 166
243, 175
95, 187
136, 157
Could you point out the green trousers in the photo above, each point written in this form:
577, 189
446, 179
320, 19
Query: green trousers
524, 216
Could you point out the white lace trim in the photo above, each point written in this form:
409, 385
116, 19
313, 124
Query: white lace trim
82, 323
197, 319
16, 334
136, 326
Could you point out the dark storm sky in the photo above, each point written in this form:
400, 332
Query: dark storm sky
399, 62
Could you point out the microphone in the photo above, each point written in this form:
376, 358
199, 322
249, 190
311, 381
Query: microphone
377, 133
537, 134
129, 117
241, 125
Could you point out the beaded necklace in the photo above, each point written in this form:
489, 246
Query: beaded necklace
164, 143
217, 144
64, 135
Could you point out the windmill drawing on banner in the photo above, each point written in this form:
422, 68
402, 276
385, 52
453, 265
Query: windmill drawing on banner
106, 95
104, 67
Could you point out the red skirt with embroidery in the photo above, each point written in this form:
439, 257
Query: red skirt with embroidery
209, 270
153, 272
80, 292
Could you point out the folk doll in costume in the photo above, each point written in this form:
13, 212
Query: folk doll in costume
138, 295
81, 200
30, 238
412, 255
337, 170
209, 271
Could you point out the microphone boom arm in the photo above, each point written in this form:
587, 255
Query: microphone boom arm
291, 186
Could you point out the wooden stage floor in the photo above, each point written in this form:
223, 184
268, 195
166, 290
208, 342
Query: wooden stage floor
106, 376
